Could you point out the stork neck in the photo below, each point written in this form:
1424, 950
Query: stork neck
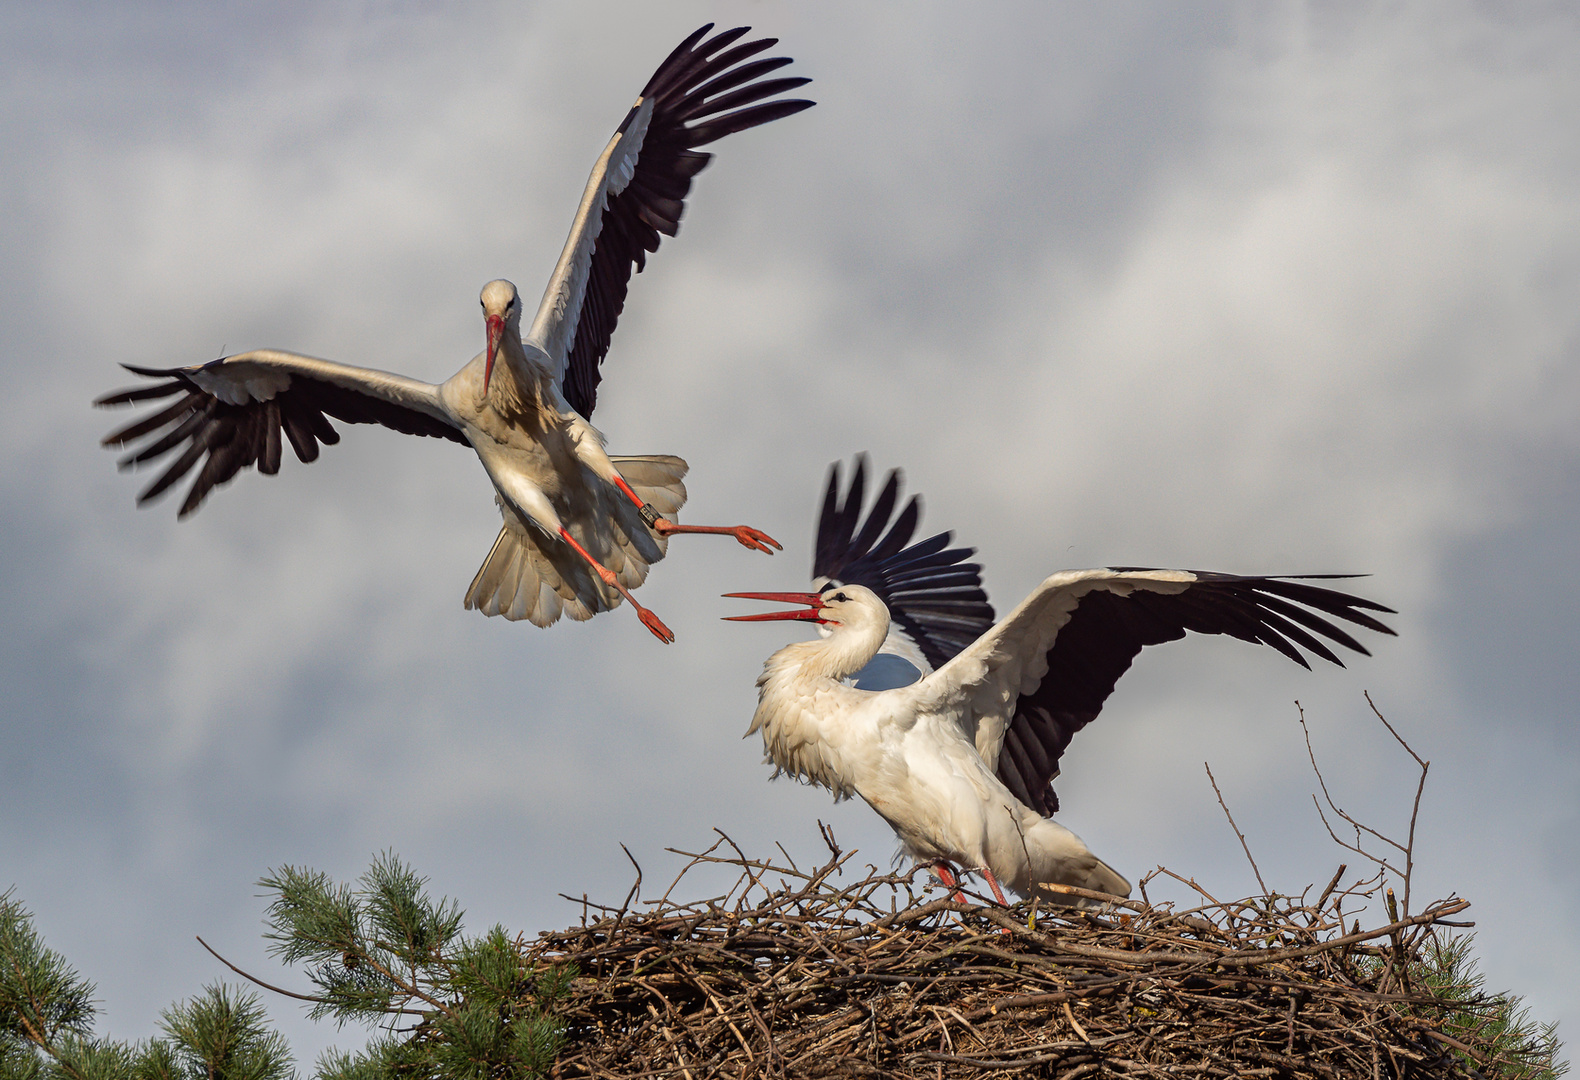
846, 650
510, 364
515, 390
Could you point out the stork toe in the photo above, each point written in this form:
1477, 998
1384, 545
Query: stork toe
756, 539
656, 625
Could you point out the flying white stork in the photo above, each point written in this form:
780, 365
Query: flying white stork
580, 527
960, 761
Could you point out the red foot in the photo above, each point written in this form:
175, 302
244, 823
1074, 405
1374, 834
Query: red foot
655, 624
756, 539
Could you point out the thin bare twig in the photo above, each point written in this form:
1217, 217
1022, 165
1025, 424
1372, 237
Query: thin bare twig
1244, 846
280, 989
1415, 809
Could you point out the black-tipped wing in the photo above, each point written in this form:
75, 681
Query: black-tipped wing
1073, 638
932, 593
704, 91
230, 413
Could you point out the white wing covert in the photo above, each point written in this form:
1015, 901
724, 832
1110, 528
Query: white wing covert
637, 192
559, 314
1027, 686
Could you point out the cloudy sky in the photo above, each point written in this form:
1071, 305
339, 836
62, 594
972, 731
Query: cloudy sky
1261, 288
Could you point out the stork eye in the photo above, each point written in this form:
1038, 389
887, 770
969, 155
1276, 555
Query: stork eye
841, 597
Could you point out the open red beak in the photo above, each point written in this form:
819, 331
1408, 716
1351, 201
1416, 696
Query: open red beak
496, 329
813, 602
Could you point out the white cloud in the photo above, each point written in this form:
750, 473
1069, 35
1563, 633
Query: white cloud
1239, 290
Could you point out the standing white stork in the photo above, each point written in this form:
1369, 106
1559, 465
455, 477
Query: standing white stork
960, 761
580, 527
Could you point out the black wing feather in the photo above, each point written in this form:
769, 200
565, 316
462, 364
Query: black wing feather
156, 421
766, 113
930, 590
748, 94
698, 81
837, 520
735, 77
235, 436
1107, 630
689, 62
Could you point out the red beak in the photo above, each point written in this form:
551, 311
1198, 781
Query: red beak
496, 329
813, 602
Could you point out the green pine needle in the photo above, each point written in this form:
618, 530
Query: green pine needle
41, 998
380, 951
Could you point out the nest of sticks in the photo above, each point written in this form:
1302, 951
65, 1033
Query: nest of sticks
793, 973
797, 973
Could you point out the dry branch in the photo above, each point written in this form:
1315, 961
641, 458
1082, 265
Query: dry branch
794, 973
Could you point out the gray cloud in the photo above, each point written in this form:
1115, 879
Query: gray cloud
1255, 288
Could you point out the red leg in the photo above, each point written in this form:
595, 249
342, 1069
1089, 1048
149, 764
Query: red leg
998, 893
649, 620
749, 537
619, 482
948, 878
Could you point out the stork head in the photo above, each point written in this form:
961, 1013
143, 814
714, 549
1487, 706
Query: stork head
853, 620
501, 306
854, 606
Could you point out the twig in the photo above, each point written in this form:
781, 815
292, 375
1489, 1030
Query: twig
1246, 847
280, 989
1415, 809
829, 969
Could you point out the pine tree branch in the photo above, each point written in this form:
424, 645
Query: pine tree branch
284, 992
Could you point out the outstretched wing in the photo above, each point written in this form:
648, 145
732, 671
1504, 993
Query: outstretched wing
1027, 686
638, 188
933, 595
229, 414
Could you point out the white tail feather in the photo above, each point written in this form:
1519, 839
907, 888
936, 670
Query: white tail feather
529, 576
1057, 855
